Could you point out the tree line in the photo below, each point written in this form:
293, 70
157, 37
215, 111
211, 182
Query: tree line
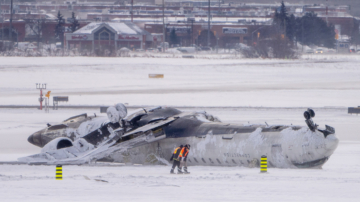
307, 30
37, 26
280, 40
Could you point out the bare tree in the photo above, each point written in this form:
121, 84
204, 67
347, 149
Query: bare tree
273, 47
35, 28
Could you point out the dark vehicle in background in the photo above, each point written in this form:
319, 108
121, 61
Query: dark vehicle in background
206, 48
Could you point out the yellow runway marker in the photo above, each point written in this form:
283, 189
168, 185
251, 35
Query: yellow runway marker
263, 164
156, 76
58, 174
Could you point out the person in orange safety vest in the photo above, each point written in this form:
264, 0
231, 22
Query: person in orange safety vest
183, 157
175, 157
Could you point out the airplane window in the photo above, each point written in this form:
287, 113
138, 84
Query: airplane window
57, 127
227, 137
218, 161
203, 160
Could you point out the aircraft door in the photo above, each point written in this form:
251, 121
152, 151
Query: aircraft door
276, 155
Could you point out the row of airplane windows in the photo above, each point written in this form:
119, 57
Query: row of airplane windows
212, 162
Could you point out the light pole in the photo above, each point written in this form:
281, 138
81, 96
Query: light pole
2, 31
302, 35
2, 26
163, 26
219, 11
191, 20
132, 3
41, 86
208, 37
11, 13
17, 39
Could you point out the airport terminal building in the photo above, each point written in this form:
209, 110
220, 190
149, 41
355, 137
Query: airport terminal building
109, 35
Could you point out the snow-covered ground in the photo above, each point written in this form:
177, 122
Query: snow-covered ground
339, 180
317, 81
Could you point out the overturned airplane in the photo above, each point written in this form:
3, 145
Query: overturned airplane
149, 136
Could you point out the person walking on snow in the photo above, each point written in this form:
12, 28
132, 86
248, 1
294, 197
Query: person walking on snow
176, 159
183, 157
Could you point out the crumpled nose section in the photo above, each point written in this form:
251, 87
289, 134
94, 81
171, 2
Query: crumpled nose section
35, 139
31, 139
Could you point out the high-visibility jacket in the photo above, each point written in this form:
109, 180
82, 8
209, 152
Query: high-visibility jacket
176, 153
184, 152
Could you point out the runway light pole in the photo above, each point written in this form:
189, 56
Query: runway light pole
208, 34
163, 18
41, 86
131, 12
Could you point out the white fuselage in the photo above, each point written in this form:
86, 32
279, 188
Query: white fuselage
282, 149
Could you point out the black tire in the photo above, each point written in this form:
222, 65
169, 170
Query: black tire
312, 113
307, 115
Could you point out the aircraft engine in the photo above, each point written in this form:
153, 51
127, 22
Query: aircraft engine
115, 114
120, 107
80, 145
57, 143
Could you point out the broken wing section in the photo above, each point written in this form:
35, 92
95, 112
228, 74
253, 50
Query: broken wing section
95, 145
78, 151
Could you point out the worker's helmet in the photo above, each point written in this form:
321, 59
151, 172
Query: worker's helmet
181, 146
187, 146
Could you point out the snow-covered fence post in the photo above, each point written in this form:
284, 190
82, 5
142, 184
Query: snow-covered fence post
263, 164
58, 174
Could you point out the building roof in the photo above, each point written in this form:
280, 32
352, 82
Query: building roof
236, 20
118, 27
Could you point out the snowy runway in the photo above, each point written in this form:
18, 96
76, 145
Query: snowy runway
187, 82
339, 180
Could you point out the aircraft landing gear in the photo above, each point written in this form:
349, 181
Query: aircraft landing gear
310, 123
